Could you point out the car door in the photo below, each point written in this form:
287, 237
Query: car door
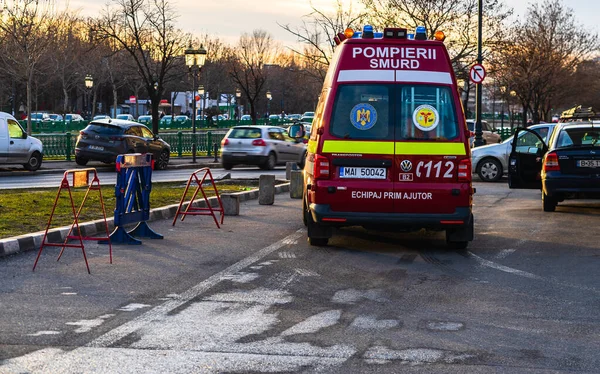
155, 146
18, 144
278, 141
525, 160
136, 140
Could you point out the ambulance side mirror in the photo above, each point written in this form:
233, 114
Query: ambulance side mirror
296, 131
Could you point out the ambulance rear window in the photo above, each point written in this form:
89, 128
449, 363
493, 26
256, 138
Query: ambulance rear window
362, 111
426, 112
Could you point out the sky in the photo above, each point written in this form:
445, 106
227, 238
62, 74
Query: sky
228, 19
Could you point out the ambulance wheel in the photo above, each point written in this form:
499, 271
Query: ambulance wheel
81, 161
458, 245
34, 163
305, 212
318, 242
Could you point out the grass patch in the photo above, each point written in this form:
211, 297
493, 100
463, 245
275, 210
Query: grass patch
23, 211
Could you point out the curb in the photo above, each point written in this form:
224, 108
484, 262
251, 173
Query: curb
33, 241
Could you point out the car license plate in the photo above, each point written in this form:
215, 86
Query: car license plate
238, 154
362, 173
588, 163
97, 147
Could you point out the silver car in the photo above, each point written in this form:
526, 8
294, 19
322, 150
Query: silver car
490, 162
264, 146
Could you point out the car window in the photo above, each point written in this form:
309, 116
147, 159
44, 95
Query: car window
542, 132
362, 111
146, 133
427, 112
14, 129
104, 129
245, 133
276, 134
135, 131
577, 137
527, 140
486, 126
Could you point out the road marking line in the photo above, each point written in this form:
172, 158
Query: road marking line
505, 253
161, 310
553, 280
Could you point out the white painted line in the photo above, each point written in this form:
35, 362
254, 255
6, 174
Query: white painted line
503, 268
525, 274
159, 311
505, 253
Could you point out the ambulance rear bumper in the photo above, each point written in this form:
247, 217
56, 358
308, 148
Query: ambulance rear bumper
322, 214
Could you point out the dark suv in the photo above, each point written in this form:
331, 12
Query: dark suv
102, 140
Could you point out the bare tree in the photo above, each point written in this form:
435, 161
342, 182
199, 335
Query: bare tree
146, 30
27, 31
247, 67
317, 34
541, 57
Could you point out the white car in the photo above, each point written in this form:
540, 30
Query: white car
126, 117
16, 147
490, 162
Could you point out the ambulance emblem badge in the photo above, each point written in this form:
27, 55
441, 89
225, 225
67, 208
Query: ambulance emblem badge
406, 166
363, 116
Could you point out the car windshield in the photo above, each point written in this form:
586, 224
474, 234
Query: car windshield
578, 137
104, 129
387, 112
245, 133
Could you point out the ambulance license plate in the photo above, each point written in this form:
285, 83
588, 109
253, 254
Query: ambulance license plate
362, 173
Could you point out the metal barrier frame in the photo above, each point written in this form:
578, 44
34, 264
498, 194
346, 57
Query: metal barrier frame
200, 211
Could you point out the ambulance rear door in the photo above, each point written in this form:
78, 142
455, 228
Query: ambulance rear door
430, 150
359, 143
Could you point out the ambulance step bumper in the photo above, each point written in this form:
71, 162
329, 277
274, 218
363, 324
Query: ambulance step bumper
322, 214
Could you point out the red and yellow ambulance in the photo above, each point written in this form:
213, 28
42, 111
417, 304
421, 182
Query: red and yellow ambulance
389, 146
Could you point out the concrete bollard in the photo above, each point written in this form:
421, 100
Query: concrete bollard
266, 189
231, 204
289, 167
297, 184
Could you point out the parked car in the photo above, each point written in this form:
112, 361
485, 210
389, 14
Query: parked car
489, 134
246, 117
126, 117
264, 146
40, 117
293, 117
307, 116
165, 121
103, 140
73, 117
56, 117
145, 119
567, 167
101, 116
490, 162
181, 118
16, 147
274, 118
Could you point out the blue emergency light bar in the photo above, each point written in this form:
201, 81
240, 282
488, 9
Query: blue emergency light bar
388, 33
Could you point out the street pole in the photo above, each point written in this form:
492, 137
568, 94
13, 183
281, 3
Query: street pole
478, 86
194, 117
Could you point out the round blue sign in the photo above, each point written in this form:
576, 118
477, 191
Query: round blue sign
363, 116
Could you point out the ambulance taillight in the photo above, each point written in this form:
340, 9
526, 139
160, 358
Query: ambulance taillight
464, 170
321, 168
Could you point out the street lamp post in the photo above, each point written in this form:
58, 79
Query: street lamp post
203, 108
238, 95
269, 98
89, 83
194, 59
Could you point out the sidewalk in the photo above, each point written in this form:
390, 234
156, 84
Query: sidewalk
51, 166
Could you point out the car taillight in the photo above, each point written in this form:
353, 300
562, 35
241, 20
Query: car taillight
259, 142
83, 134
464, 170
321, 169
551, 162
225, 142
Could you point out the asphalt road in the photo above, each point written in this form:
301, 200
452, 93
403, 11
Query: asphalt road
254, 297
108, 176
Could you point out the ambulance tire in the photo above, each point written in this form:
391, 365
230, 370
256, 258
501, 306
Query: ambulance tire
318, 242
318, 235
305, 212
459, 239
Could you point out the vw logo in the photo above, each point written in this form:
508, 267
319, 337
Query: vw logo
406, 166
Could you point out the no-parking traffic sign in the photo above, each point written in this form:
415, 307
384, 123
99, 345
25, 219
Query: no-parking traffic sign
477, 73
